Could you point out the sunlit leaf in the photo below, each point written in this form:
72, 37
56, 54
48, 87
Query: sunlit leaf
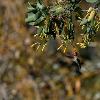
91, 1
84, 21
33, 17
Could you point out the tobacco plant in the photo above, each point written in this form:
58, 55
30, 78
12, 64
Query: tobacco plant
58, 21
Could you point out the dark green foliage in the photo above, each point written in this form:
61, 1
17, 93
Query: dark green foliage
58, 20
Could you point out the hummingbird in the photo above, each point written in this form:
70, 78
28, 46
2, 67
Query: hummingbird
76, 63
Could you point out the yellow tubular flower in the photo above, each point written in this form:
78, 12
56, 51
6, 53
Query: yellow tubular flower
92, 15
90, 9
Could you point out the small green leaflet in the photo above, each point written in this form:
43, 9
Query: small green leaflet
91, 1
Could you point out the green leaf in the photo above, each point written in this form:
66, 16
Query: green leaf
91, 1
31, 9
38, 21
40, 6
33, 17
57, 9
84, 21
39, 30
88, 29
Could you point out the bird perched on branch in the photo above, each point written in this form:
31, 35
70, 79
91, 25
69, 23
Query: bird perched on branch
76, 62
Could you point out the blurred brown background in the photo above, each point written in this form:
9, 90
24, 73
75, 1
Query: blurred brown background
26, 74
